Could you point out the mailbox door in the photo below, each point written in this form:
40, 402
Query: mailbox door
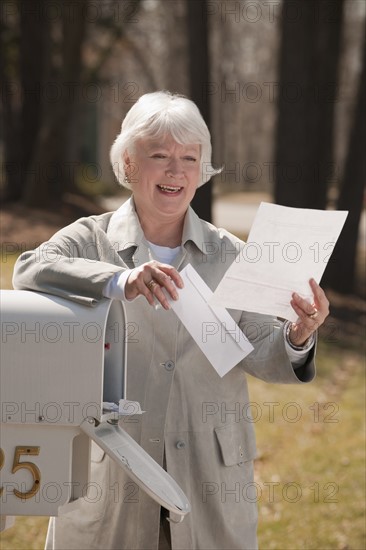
139, 466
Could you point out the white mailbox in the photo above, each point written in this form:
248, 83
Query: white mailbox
59, 362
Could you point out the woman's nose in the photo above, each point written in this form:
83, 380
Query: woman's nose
175, 168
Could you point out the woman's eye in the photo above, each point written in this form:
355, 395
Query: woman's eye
158, 156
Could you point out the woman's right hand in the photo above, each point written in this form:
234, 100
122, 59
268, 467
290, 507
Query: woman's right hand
150, 279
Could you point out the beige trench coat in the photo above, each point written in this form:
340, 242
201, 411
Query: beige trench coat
202, 420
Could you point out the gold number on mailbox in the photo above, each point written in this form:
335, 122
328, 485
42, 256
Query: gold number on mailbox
34, 470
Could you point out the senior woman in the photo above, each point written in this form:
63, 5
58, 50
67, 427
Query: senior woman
197, 424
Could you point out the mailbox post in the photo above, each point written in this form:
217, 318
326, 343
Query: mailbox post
59, 362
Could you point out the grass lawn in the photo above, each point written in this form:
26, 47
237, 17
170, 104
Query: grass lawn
310, 471
311, 465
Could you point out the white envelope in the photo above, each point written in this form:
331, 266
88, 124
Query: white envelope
212, 327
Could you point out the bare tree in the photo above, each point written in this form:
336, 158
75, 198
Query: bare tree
23, 44
341, 271
309, 57
43, 57
48, 160
199, 76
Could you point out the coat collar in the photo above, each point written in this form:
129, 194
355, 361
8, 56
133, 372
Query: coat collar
124, 229
127, 238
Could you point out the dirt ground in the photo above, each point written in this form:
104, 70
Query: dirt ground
28, 227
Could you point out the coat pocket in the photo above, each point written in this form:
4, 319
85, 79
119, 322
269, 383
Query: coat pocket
236, 442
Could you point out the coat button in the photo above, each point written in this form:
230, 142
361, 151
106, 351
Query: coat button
180, 444
169, 365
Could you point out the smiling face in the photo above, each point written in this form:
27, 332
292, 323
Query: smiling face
164, 176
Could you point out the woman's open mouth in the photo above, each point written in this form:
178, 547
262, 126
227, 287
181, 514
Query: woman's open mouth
169, 189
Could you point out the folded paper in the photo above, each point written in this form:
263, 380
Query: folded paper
285, 248
212, 327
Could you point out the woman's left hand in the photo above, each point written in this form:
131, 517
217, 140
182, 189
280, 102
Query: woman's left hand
310, 316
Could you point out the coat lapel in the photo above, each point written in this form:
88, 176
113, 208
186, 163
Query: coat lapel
126, 236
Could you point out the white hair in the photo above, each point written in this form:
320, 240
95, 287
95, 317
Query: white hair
155, 115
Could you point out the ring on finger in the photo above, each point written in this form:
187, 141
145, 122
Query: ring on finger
313, 315
150, 285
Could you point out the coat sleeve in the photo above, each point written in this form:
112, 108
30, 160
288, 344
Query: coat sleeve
75, 264
269, 360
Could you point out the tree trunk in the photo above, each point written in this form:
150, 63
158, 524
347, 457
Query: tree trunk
199, 76
341, 271
309, 55
52, 175
33, 43
9, 129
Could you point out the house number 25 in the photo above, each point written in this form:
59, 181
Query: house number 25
32, 468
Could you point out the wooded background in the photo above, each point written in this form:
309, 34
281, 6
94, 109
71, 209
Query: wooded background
281, 84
